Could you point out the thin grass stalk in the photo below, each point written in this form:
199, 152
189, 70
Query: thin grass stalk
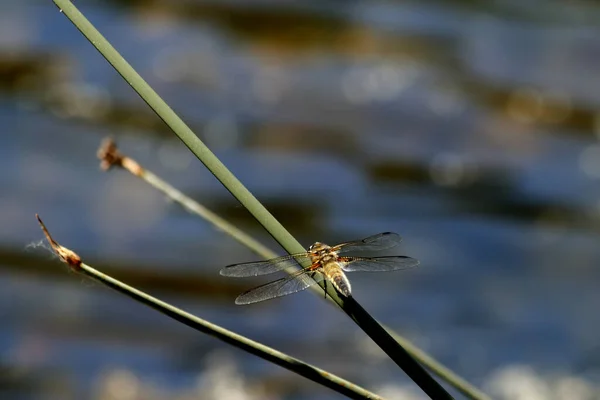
110, 156
315, 374
352, 308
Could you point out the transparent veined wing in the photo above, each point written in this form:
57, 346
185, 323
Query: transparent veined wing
381, 241
256, 268
296, 282
378, 264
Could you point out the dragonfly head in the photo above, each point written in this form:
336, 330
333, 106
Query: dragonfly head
318, 246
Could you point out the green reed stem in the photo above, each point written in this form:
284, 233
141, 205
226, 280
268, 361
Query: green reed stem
308, 371
375, 331
111, 156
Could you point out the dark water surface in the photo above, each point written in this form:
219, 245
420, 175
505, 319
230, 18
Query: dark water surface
469, 128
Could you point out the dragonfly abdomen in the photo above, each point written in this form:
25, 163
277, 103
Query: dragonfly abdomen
337, 278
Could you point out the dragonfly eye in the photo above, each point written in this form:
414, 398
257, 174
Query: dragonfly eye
316, 246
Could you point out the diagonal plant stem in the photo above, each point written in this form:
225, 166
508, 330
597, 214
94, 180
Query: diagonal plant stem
342, 386
352, 308
110, 156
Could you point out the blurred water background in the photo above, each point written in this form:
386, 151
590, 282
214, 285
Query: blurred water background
469, 127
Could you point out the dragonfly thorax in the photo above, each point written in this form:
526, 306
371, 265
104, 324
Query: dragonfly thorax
321, 254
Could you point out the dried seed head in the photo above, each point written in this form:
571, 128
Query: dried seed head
67, 256
110, 156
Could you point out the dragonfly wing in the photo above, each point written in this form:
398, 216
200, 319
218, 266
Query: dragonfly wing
281, 287
378, 242
256, 268
378, 264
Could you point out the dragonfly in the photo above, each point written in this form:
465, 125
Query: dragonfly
324, 264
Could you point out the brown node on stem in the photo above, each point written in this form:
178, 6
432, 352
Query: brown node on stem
110, 156
67, 256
